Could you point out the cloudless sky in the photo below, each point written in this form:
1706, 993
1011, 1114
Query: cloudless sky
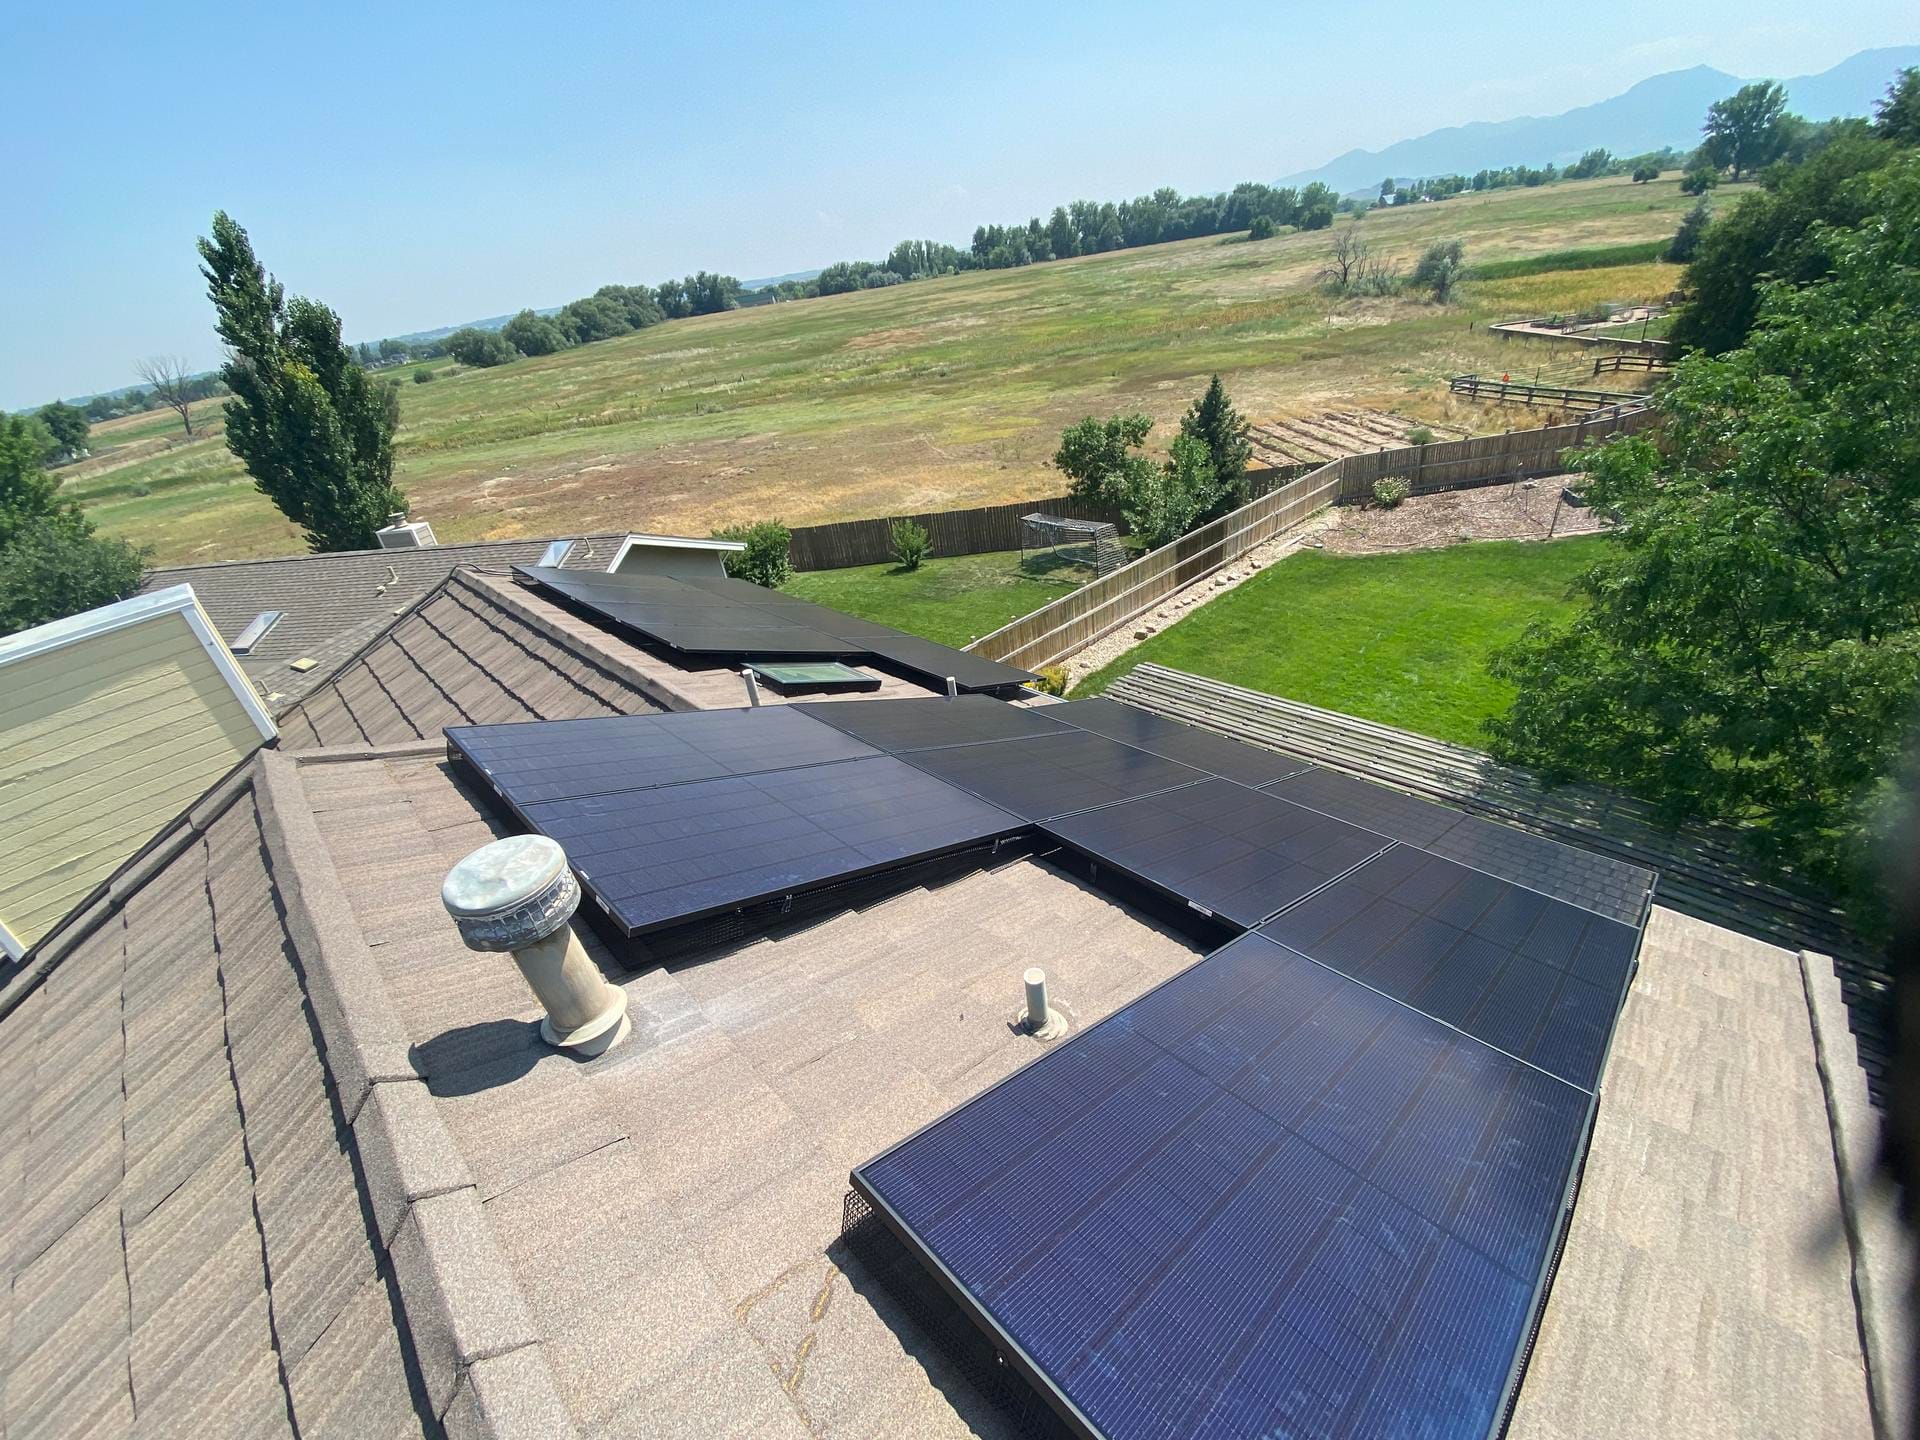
422, 164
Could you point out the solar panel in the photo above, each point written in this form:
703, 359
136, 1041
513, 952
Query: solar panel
1599, 883
1532, 976
1261, 1200
1221, 847
681, 852
1051, 775
900, 725
1202, 749
817, 677
937, 663
529, 764
714, 616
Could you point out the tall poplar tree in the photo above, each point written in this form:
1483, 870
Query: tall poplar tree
312, 428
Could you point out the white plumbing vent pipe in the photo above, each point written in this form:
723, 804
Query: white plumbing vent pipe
953, 688
517, 895
1041, 1021
753, 686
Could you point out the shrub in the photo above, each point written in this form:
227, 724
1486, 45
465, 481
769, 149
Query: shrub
1420, 435
1441, 268
1388, 493
1262, 228
1686, 240
1643, 173
765, 560
908, 541
480, 348
1699, 180
1052, 680
421, 377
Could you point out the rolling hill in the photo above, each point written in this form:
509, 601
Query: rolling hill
1662, 110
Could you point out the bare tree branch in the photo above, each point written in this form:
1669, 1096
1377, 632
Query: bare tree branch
1347, 258
168, 376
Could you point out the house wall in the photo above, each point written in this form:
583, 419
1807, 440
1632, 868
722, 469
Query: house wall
102, 742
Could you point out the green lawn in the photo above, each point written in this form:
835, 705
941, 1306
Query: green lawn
952, 601
1402, 639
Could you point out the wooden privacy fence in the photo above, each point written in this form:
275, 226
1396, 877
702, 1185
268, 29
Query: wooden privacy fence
1071, 623
951, 532
1104, 605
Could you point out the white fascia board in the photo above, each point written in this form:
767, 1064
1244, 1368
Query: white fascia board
174, 600
673, 542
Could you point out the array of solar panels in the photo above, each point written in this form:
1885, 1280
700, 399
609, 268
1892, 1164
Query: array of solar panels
1309, 1186
717, 619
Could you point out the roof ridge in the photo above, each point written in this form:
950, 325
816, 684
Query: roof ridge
316, 555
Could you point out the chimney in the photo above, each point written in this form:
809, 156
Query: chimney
517, 895
399, 534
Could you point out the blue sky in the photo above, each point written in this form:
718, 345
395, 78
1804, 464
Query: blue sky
421, 164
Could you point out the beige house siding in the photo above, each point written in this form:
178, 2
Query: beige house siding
103, 740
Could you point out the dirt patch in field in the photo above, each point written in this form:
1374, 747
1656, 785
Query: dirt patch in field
1528, 510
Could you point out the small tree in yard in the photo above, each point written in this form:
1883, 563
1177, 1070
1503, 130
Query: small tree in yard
1214, 422
314, 431
765, 561
1102, 459
1687, 238
1441, 268
1168, 501
909, 543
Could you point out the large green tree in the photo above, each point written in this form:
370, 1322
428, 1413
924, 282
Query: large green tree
1897, 117
1214, 422
1746, 130
68, 424
51, 562
312, 428
1102, 458
1751, 647
1776, 232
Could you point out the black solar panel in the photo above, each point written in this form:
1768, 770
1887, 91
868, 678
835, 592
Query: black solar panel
1262, 1200
680, 852
1598, 882
1531, 976
1202, 749
1051, 775
898, 725
530, 764
1230, 850
937, 663
716, 617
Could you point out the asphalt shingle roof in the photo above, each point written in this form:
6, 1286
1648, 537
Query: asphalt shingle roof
335, 604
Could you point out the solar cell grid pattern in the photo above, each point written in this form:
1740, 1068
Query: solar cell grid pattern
1262, 1200
679, 852
559, 759
1202, 749
901, 725
1238, 852
714, 617
1529, 975
1600, 883
1050, 775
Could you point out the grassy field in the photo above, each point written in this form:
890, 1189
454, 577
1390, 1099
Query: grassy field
937, 394
1402, 639
952, 601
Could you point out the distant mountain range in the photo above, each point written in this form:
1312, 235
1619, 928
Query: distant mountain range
1660, 111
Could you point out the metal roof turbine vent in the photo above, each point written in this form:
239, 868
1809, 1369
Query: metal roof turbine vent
400, 534
517, 895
